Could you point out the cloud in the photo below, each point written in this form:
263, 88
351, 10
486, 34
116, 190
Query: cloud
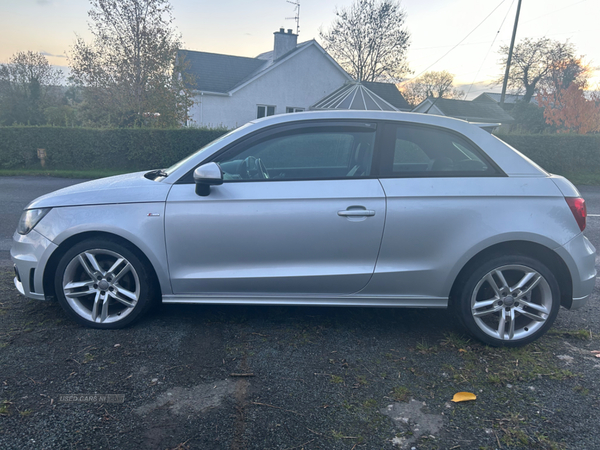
50, 54
44, 2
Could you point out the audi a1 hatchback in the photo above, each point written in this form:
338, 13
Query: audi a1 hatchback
321, 208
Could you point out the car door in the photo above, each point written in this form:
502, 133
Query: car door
299, 213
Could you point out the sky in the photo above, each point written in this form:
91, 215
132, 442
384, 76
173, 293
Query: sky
245, 28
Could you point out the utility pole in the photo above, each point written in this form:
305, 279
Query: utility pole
510, 52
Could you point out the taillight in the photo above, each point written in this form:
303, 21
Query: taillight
577, 205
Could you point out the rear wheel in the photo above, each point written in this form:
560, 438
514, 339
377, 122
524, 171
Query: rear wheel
103, 284
509, 301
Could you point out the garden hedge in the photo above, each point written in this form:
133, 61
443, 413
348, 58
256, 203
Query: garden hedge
140, 149
562, 154
97, 149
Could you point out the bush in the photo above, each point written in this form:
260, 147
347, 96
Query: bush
562, 154
93, 149
139, 149
529, 118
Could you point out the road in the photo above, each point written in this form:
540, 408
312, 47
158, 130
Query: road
239, 377
15, 194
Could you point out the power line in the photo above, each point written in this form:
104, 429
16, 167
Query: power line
556, 10
460, 42
489, 49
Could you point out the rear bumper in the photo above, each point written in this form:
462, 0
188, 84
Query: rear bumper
580, 256
30, 253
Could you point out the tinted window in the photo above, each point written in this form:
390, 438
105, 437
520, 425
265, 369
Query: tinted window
304, 154
428, 151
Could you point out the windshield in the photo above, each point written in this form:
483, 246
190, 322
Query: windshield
207, 147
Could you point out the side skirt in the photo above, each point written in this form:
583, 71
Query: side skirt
380, 302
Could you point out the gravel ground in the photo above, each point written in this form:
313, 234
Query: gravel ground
237, 377
316, 378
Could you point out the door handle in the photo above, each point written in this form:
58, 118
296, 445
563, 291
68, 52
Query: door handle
356, 213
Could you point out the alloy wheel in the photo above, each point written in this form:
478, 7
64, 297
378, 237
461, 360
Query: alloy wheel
101, 286
511, 302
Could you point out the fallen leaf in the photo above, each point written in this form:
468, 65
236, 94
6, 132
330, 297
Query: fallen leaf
462, 350
463, 397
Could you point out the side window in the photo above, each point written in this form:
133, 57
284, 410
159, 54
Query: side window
428, 151
291, 109
264, 110
305, 154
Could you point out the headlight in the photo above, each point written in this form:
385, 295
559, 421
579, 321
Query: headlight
30, 218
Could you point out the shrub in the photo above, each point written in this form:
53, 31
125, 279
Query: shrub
92, 149
143, 148
562, 154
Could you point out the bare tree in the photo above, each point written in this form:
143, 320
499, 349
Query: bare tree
25, 83
128, 72
430, 84
369, 39
534, 62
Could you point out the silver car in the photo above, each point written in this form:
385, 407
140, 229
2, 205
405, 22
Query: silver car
321, 208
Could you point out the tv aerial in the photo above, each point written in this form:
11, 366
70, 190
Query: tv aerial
297, 16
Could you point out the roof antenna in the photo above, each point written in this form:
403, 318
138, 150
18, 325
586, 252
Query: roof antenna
297, 16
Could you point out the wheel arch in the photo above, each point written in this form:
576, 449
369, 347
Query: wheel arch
50, 267
523, 248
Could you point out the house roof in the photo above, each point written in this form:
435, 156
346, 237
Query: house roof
223, 74
495, 97
389, 92
467, 110
362, 96
214, 72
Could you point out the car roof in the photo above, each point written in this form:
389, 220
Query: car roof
430, 119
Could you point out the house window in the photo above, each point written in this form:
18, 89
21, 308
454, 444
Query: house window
265, 110
291, 109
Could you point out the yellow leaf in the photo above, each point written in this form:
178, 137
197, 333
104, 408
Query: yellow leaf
463, 397
462, 350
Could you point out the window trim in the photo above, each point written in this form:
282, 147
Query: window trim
259, 135
388, 145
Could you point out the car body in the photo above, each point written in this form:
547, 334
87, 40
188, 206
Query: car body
335, 208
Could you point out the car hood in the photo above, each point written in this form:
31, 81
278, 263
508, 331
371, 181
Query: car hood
129, 188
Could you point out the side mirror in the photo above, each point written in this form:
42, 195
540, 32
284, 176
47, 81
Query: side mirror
207, 175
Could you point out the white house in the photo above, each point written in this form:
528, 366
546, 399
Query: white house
231, 90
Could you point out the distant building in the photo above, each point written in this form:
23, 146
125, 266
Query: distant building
509, 99
471, 111
232, 90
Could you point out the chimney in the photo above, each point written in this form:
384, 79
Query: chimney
284, 42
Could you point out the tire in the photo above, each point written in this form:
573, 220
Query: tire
509, 301
101, 283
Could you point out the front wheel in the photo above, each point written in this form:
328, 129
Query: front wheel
509, 301
103, 284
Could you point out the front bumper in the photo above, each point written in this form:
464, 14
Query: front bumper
30, 253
